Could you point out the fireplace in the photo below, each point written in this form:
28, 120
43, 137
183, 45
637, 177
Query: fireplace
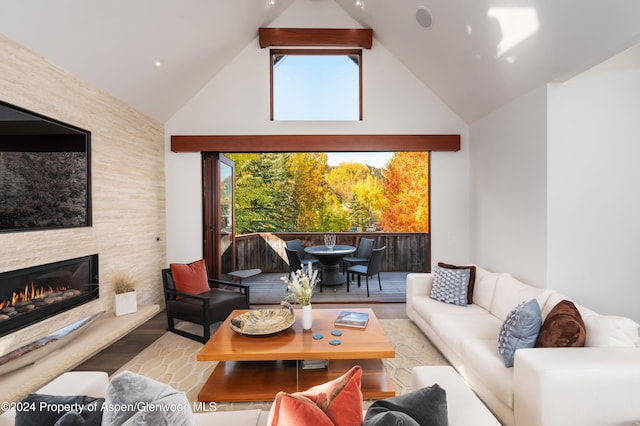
32, 294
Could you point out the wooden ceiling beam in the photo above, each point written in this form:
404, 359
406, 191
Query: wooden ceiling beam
313, 37
314, 143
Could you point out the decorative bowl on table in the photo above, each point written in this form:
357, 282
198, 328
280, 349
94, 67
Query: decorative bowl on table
263, 322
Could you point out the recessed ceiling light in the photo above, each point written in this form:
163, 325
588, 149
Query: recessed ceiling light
157, 64
359, 3
424, 17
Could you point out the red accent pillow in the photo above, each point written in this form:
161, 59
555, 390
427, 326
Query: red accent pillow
190, 278
562, 328
472, 277
337, 402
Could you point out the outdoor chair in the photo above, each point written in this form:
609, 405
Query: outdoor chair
204, 308
297, 246
361, 256
370, 269
296, 264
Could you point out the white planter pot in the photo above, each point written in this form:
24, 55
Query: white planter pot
126, 303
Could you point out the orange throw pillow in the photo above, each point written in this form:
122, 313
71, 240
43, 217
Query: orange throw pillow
291, 409
190, 278
337, 402
562, 328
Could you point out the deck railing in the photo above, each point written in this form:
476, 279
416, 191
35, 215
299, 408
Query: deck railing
406, 251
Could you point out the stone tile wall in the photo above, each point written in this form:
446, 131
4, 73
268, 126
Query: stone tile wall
128, 185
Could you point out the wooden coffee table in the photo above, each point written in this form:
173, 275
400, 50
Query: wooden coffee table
256, 368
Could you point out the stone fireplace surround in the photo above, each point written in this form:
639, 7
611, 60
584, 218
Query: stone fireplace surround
100, 334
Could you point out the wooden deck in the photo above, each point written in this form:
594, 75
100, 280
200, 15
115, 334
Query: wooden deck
267, 288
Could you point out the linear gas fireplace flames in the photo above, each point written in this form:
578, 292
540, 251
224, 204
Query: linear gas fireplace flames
32, 294
33, 297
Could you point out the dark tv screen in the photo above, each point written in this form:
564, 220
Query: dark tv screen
45, 170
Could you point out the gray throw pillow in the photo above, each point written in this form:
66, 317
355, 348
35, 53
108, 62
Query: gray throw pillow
142, 400
426, 406
450, 285
519, 330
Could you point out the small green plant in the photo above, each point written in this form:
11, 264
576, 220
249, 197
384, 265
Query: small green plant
123, 283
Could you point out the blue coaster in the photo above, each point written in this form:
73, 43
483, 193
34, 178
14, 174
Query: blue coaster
334, 342
317, 336
336, 333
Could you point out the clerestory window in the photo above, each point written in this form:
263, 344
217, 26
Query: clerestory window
316, 84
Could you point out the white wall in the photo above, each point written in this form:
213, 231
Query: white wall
553, 178
508, 189
236, 101
593, 201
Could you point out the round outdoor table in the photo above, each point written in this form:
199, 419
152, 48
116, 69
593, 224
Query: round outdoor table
329, 260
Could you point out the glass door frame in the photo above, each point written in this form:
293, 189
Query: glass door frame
217, 226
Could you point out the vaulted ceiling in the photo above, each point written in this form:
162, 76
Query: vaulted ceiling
476, 56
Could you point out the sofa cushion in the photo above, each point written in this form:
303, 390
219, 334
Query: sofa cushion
605, 331
484, 287
450, 285
563, 327
484, 367
191, 277
472, 277
551, 302
510, 293
426, 307
236, 417
454, 330
519, 330
337, 402
425, 406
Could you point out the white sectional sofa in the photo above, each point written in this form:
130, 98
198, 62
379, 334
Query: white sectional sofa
596, 385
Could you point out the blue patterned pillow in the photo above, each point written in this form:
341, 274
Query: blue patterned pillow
450, 285
519, 330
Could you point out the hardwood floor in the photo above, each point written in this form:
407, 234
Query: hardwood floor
125, 349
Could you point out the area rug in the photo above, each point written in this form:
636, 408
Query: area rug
172, 359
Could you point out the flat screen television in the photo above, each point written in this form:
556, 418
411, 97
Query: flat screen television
45, 172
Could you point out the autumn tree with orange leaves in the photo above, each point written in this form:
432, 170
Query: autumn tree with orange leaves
406, 190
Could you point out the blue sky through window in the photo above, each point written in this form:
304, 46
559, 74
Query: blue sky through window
316, 87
